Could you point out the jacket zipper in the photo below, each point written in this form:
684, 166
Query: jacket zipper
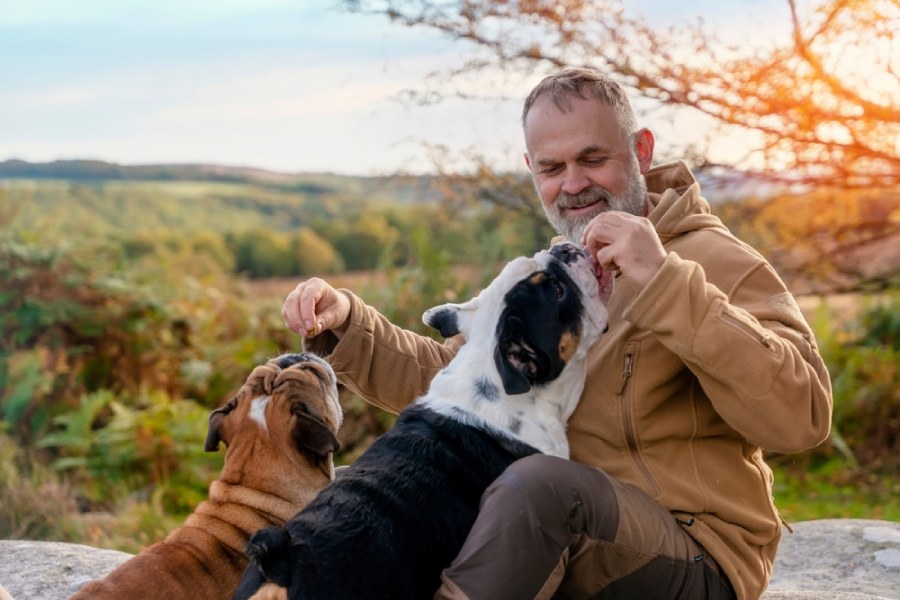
764, 339
630, 437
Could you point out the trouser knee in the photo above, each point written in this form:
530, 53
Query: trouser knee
563, 496
526, 482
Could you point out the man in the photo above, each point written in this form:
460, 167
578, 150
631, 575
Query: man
706, 362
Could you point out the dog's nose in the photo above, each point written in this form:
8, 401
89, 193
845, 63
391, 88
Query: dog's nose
567, 252
306, 360
286, 361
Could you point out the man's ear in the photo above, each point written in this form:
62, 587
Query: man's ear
643, 149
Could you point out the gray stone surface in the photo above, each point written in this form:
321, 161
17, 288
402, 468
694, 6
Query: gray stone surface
52, 570
836, 559
820, 595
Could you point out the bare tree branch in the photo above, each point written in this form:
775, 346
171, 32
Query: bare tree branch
821, 119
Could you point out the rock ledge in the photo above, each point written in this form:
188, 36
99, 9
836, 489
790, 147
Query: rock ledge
832, 559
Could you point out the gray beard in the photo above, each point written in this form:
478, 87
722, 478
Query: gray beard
632, 201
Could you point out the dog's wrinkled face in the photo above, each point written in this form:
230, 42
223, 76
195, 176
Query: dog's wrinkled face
536, 311
287, 407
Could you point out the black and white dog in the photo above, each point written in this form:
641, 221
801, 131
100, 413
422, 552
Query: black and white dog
398, 516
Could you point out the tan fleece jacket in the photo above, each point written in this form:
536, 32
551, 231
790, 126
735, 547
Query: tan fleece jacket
699, 372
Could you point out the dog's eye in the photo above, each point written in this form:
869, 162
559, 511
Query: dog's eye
560, 289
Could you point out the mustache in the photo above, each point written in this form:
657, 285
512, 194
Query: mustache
585, 197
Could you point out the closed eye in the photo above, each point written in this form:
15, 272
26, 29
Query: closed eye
594, 161
551, 169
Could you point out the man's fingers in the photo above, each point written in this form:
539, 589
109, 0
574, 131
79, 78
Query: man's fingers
299, 310
309, 297
290, 312
602, 231
315, 306
625, 243
606, 258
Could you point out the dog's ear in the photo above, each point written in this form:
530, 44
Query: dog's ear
451, 319
522, 353
212, 432
312, 433
515, 365
215, 428
444, 318
455, 319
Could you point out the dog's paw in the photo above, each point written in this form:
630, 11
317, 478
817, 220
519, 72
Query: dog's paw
269, 552
266, 541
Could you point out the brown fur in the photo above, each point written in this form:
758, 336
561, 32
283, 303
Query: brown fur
267, 478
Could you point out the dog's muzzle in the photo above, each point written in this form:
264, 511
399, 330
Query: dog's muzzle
568, 253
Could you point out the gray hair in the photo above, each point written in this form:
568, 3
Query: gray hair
586, 84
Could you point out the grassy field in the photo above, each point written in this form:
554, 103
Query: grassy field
822, 494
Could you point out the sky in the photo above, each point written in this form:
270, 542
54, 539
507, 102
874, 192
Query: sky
285, 85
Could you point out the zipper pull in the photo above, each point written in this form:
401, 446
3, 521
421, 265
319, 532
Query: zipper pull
626, 372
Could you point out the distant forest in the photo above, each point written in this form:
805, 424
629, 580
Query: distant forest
262, 224
256, 223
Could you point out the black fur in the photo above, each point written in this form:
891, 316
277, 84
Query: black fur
445, 321
390, 524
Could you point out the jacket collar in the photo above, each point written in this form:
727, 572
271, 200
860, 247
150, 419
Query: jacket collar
677, 207
674, 175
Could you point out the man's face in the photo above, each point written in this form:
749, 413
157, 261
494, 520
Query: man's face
582, 163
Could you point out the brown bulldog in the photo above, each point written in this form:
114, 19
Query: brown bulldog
280, 433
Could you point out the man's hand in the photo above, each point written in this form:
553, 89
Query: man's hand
315, 306
625, 243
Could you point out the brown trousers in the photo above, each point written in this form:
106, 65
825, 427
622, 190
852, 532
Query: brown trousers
552, 528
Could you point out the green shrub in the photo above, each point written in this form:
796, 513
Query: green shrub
158, 446
35, 502
107, 376
863, 358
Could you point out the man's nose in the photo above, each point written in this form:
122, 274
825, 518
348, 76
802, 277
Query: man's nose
575, 180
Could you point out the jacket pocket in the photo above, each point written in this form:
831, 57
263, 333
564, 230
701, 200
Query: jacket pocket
762, 337
629, 421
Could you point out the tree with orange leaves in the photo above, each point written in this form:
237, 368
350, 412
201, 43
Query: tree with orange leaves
824, 104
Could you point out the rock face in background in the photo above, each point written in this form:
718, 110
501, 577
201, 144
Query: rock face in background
835, 559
